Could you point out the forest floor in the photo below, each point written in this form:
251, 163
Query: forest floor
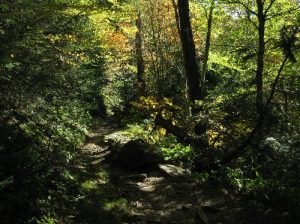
113, 194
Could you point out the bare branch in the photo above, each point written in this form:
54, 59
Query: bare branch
244, 5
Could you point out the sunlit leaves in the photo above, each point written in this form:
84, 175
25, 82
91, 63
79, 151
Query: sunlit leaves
164, 108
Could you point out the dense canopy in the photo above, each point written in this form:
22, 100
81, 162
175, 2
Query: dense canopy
149, 111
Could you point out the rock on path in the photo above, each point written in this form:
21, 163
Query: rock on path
163, 194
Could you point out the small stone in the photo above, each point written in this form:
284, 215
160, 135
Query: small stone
173, 171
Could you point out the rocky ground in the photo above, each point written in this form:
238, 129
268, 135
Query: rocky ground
164, 193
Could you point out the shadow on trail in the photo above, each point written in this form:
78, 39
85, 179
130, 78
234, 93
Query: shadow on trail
95, 186
112, 194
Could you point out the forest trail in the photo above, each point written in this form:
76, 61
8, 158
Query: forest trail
114, 194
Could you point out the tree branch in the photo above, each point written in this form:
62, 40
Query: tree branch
250, 20
268, 17
269, 7
244, 5
243, 147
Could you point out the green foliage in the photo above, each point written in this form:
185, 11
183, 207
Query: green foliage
170, 148
62, 61
164, 108
119, 205
247, 185
50, 66
178, 152
60, 123
47, 220
120, 92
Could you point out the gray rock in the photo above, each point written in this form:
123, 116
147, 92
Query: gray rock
173, 171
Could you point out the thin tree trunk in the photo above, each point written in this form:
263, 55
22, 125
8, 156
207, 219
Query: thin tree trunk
189, 52
260, 56
177, 19
259, 124
139, 56
207, 46
176, 16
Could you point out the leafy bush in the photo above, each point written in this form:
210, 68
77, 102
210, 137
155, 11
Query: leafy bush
51, 64
167, 143
242, 183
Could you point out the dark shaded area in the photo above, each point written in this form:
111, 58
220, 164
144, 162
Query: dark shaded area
137, 154
152, 195
46, 94
218, 147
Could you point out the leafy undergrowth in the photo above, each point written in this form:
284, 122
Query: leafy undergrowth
268, 188
171, 149
236, 192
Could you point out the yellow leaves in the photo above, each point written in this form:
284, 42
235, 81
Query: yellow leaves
114, 2
219, 99
166, 114
212, 134
154, 114
164, 108
149, 127
219, 135
168, 101
162, 131
174, 122
70, 37
148, 103
215, 139
241, 128
53, 38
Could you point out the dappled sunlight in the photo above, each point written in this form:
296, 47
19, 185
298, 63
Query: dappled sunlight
150, 185
140, 112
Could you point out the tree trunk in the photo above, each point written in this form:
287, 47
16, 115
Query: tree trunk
260, 56
139, 56
207, 46
176, 16
189, 52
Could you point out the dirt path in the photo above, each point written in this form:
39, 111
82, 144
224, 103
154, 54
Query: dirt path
112, 194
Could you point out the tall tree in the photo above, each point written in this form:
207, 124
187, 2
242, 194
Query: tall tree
258, 13
261, 17
139, 55
207, 44
162, 52
189, 52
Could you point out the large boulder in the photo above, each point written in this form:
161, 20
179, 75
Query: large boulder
137, 154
